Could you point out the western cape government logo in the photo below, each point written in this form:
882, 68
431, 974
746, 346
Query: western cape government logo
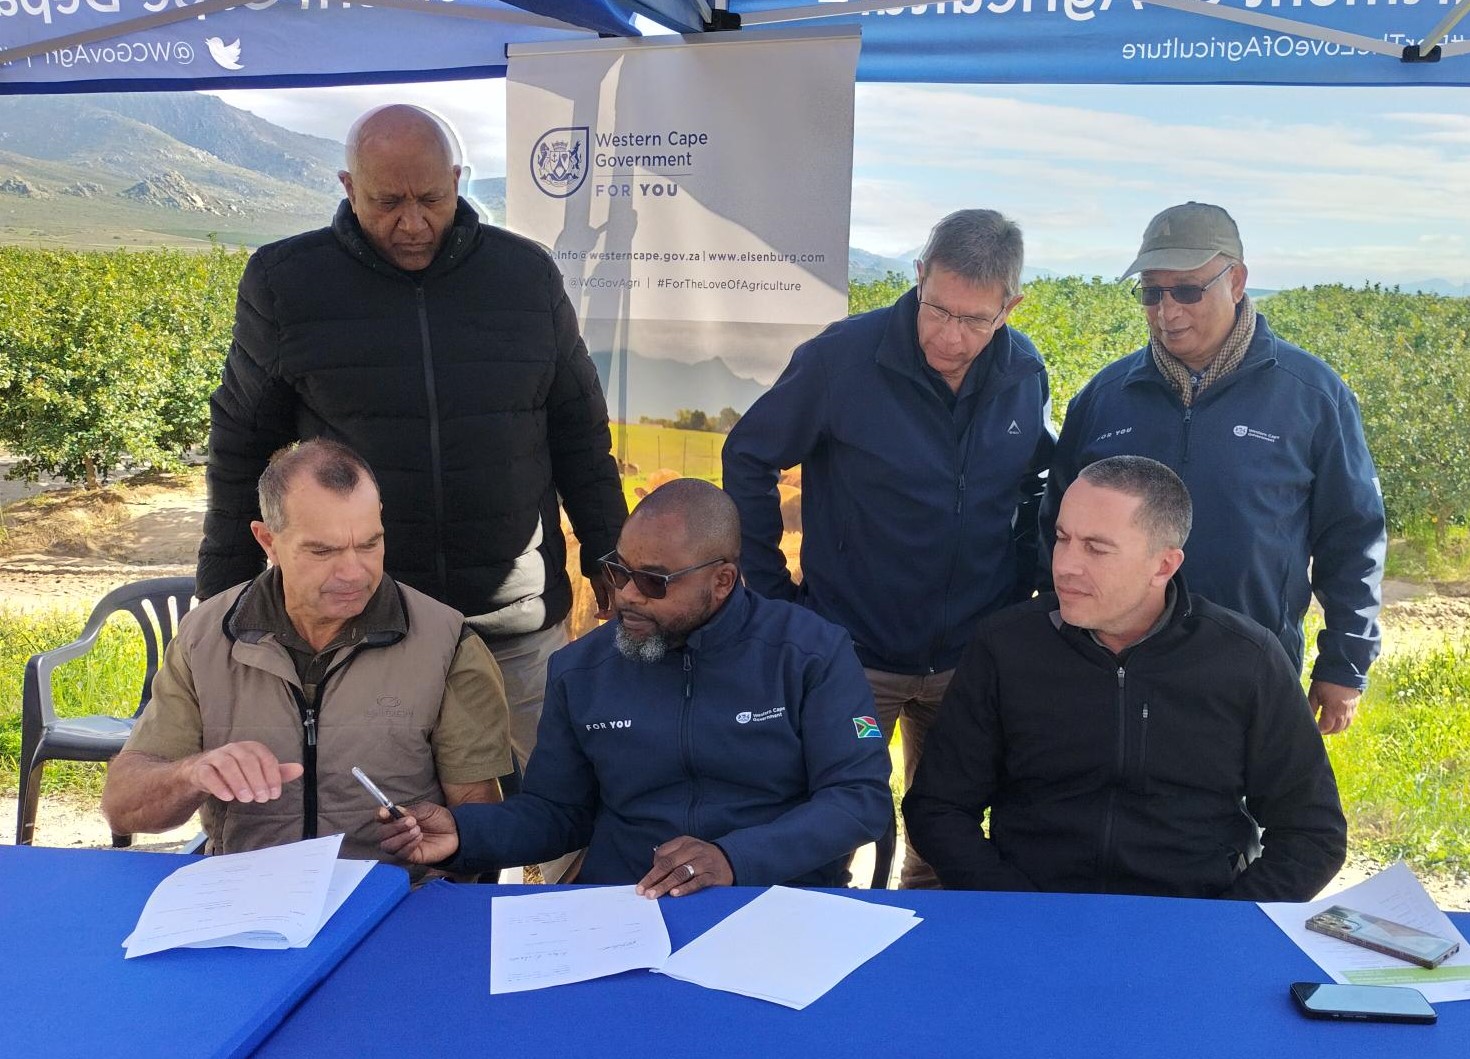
559, 161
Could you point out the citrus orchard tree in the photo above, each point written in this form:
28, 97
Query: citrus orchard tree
1407, 357
108, 359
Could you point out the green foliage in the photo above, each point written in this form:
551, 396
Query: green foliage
691, 419
697, 419
1079, 326
1428, 552
112, 672
1405, 356
862, 297
1403, 768
109, 358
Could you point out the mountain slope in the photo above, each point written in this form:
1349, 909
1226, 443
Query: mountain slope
146, 169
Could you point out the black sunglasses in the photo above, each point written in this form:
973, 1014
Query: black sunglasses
650, 584
1184, 294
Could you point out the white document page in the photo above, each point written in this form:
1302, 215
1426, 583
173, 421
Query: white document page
346, 876
274, 896
1395, 894
789, 946
567, 936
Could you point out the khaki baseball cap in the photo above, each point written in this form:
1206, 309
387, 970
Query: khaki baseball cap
1185, 237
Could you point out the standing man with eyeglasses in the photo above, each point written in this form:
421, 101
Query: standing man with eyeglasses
705, 737
1269, 441
922, 433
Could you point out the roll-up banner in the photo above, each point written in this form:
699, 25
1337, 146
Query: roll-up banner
695, 192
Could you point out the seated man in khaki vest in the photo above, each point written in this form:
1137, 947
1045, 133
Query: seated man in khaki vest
273, 690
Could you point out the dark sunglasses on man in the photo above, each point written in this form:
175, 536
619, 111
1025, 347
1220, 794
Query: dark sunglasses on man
650, 584
1184, 293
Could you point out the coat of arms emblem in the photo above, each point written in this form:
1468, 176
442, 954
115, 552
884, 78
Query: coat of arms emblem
559, 161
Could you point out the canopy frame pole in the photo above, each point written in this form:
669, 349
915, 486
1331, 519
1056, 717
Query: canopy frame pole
1431, 43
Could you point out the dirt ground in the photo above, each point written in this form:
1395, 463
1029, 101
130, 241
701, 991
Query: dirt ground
68, 548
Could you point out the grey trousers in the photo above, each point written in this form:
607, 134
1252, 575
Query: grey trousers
912, 704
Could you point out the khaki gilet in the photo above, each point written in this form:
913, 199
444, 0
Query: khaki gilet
377, 708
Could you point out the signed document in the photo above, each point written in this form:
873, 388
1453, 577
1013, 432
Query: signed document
276, 898
567, 936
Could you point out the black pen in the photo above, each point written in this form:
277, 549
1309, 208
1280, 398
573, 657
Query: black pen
372, 788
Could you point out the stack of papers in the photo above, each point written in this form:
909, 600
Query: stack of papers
274, 898
787, 946
1393, 894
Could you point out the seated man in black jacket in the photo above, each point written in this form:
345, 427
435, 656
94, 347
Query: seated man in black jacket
1126, 736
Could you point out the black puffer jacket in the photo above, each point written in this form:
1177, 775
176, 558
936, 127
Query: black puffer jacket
466, 388
1132, 773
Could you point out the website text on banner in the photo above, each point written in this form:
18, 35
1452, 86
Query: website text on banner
696, 193
125, 45
1131, 42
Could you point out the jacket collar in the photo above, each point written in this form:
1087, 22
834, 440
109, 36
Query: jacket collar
464, 234
1261, 353
1180, 607
259, 612
898, 349
724, 625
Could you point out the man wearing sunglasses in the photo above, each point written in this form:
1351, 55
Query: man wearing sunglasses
1269, 441
705, 737
922, 433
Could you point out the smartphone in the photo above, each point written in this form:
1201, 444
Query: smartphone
378, 796
1383, 935
1362, 1003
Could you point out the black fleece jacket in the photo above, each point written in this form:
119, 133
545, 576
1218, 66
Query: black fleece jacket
1141, 773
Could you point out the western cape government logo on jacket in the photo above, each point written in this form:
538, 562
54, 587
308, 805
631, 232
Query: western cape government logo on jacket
559, 161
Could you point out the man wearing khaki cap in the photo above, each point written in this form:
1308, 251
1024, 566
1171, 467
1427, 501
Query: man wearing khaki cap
1269, 441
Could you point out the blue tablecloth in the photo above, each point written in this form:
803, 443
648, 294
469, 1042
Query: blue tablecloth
65, 989
985, 974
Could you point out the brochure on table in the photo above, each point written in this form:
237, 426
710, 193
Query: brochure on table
1395, 894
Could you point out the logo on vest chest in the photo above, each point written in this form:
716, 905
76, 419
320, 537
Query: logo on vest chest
389, 708
598, 726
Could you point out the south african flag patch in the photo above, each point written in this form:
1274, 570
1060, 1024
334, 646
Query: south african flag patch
867, 728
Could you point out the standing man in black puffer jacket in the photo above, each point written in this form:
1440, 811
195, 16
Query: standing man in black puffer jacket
445, 352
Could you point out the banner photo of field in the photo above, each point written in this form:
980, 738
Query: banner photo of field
696, 194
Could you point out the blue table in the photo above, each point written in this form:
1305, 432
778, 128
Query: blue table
986, 974
65, 989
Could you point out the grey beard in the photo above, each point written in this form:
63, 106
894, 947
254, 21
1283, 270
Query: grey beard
651, 649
